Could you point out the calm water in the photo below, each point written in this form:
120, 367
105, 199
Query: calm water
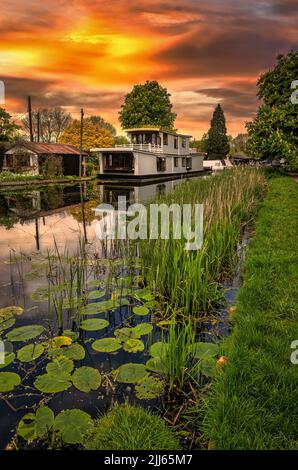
30, 221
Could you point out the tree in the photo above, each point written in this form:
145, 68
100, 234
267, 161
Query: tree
121, 140
200, 145
273, 134
147, 105
8, 128
93, 136
102, 123
238, 144
217, 141
53, 122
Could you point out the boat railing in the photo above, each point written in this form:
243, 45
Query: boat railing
145, 147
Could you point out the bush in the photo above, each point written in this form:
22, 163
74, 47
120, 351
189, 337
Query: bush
127, 427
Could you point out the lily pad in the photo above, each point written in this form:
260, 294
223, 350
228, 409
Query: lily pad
8, 359
130, 373
13, 310
73, 335
86, 379
108, 345
148, 388
200, 350
6, 322
94, 324
141, 310
30, 352
73, 425
133, 345
35, 426
50, 383
96, 294
142, 329
159, 349
155, 364
123, 334
8, 381
60, 365
75, 351
40, 295
60, 341
106, 305
207, 366
24, 333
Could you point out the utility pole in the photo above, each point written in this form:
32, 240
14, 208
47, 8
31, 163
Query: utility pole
38, 126
30, 118
81, 144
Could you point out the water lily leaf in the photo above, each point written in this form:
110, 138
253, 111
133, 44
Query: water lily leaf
59, 341
93, 283
6, 322
40, 295
130, 373
149, 387
123, 334
13, 310
140, 310
122, 291
73, 335
74, 351
60, 365
73, 425
8, 347
9, 357
24, 333
108, 345
110, 304
96, 294
207, 366
8, 381
50, 383
86, 379
200, 350
142, 329
143, 293
30, 352
151, 304
155, 364
159, 349
133, 345
94, 324
33, 426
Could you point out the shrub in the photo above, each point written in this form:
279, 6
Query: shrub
127, 427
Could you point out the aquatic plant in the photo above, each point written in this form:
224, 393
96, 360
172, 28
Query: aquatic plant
127, 427
191, 280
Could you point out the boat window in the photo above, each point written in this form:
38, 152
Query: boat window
165, 139
176, 160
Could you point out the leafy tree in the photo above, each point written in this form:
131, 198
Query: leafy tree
102, 123
217, 141
121, 140
147, 105
238, 144
200, 145
93, 136
274, 132
53, 122
8, 128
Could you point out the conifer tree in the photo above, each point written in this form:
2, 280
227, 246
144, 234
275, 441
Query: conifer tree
217, 142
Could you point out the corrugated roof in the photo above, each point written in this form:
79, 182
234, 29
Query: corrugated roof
41, 148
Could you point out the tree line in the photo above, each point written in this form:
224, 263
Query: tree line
272, 134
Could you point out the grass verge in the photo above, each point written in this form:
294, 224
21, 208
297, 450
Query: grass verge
253, 403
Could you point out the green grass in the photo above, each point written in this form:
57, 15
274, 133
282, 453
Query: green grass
128, 427
191, 280
253, 404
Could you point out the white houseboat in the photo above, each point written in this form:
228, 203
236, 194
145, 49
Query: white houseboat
151, 153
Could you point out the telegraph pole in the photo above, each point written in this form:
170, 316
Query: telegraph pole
38, 126
30, 118
81, 144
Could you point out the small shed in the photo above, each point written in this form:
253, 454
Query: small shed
32, 158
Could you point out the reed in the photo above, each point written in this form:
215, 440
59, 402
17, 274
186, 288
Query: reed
191, 280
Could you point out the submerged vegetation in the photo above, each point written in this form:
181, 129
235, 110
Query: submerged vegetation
253, 404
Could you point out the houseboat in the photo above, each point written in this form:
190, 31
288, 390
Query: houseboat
152, 153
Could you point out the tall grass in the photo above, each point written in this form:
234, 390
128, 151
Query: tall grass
190, 280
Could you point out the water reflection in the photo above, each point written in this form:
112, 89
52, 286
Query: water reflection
31, 219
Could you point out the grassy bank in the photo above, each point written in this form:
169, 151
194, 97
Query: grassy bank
191, 280
253, 404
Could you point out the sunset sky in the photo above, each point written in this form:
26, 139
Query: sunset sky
89, 53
